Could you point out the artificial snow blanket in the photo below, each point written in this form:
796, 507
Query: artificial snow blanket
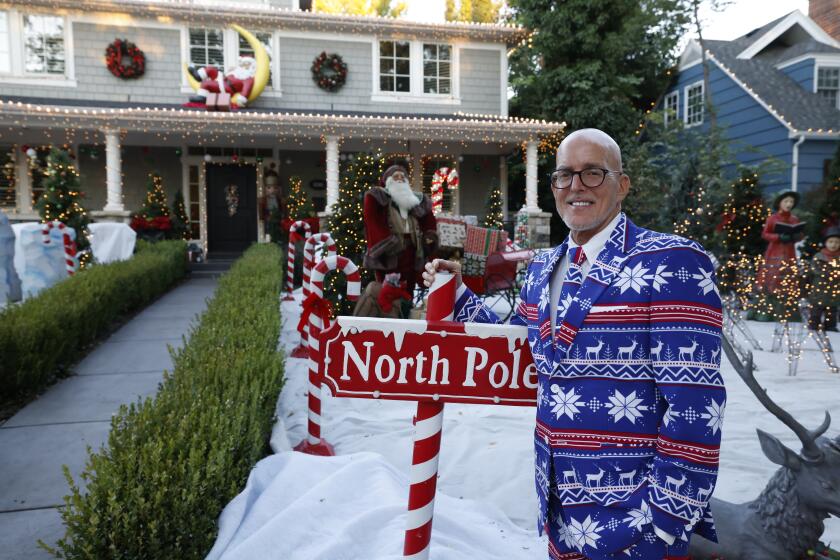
111, 241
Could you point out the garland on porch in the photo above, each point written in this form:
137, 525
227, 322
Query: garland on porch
125, 60
329, 71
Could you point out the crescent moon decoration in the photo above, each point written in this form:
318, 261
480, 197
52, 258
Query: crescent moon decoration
261, 57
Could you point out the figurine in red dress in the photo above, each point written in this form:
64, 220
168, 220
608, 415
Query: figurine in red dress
780, 248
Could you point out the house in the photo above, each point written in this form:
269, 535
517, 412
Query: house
776, 91
434, 95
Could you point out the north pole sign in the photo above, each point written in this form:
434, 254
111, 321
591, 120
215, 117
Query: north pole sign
438, 361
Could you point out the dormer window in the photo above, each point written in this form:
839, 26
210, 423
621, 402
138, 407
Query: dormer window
694, 104
828, 84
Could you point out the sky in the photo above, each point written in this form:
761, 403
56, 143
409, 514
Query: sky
740, 17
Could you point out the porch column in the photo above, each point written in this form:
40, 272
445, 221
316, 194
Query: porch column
113, 171
332, 172
503, 186
531, 204
24, 183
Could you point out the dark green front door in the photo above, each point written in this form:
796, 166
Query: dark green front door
231, 207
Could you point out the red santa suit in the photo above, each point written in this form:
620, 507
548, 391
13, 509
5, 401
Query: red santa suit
398, 239
238, 82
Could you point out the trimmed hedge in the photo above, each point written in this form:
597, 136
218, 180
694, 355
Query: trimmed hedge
173, 462
46, 334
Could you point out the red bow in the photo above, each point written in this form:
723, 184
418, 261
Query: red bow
317, 305
389, 294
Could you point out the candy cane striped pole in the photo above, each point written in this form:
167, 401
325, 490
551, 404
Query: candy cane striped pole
69, 244
290, 259
428, 425
302, 349
314, 444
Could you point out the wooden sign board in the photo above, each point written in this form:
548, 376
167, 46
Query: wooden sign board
414, 360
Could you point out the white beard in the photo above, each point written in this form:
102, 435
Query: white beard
244, 72
402, 195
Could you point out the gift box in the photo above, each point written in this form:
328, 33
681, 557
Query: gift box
452, 231
483, 241
474, 264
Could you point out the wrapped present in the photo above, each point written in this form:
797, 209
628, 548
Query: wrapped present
483, 241
473, 264
451, 230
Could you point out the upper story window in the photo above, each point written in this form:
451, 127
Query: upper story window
672, 103
207, 46
5, 44
828, 83
43, 43
694, 104
437, 69
395, 66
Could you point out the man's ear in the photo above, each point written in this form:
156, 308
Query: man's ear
623, 187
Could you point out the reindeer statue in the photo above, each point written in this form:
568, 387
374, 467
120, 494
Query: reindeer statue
786, 519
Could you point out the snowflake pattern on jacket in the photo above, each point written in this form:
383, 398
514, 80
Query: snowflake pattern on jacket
630, 397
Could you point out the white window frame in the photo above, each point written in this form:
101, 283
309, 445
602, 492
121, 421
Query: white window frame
230, 54
675, 95
686, 89
817, 68
17, 74
415, 93
437, 77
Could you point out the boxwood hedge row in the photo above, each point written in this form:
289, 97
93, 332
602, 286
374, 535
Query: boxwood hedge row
173, 462
48, 333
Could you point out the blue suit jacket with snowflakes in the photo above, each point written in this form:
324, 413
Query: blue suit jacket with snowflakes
630, 397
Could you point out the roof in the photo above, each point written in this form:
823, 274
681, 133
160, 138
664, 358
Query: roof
797, 50
800, 109
264, 16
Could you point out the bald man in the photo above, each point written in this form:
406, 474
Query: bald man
624, 326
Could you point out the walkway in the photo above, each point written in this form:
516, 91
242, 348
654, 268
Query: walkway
76, 412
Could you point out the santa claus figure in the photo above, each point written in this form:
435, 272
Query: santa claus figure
238, 81
400, 228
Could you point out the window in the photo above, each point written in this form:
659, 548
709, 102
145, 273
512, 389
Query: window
694, 104
437, 76
43, 41
207, 46
672, 103
8, 183
246, 50
828, 83
5, 49
395, 66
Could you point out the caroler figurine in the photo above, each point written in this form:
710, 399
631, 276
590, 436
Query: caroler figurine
782, 231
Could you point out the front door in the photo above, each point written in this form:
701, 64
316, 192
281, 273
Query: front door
231, 207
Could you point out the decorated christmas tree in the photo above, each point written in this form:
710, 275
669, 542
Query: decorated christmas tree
62, 198
154, 215
743, 218
179, 218
827, 207
299, 205
494, 217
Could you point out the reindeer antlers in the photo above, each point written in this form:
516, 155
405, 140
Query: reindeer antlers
746, 370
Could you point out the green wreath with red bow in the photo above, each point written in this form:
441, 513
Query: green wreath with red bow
125, 60
329, 71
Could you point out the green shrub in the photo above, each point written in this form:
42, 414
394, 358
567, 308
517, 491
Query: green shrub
173, 462
46, 334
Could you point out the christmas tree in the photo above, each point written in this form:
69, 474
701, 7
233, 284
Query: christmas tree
828, 207
180, 220
154, 215
62, 199
744, 215
299, 205
494, 217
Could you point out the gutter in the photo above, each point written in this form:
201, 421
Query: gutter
794, 171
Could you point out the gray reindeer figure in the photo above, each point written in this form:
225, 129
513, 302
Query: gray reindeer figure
786, 519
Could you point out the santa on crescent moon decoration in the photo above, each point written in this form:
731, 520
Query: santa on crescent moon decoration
243, 82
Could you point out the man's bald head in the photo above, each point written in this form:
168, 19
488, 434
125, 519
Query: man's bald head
593, 136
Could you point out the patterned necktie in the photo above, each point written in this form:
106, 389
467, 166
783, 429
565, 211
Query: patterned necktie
571, 282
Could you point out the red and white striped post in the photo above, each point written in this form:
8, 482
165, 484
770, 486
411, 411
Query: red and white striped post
428, 425
317, 313
302, 349
69, 244
294, 237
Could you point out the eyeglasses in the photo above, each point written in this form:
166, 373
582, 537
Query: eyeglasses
590, 177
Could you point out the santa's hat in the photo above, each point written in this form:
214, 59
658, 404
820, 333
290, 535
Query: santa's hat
390, 171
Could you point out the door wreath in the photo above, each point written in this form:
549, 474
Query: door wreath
125, 60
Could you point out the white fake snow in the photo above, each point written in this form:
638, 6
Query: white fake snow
353, 505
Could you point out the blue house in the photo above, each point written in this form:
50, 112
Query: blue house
776, 91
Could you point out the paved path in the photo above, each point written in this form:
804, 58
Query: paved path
76, 412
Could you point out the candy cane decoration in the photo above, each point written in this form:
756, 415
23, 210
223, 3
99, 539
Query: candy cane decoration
302, 349
69, 244
290, 264
318, 320
428, 425
450, 176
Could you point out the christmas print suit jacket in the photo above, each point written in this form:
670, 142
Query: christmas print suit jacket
630, 397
